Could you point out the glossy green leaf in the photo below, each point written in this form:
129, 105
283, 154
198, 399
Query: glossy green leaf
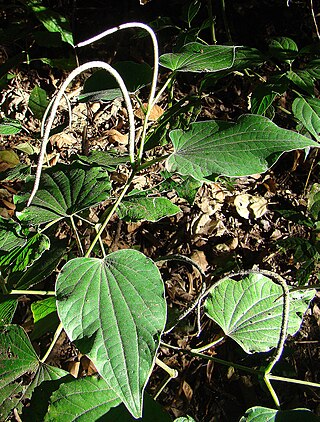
45, 317
250, 311
40, 269
264, 414
102, 86
8, 306
51, 20
64, 191
249, 146
146, 209
85, 400
22, 257
302, 79
114, 310
196, 57
38, 102
264, 95
10, 236
307, 111
184, 419
10, 127
283, 48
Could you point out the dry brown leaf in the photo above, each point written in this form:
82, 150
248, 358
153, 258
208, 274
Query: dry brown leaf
61, 140
188, 392
250, 206
114, 136
155, 113
199, 257
8, 159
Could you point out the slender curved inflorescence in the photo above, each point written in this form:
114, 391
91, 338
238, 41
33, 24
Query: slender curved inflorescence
54, 107
155, 52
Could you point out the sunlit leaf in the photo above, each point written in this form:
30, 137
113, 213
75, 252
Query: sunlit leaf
114, 310
64, 191
10, 127
250, 310
38, 102
196, 57
307, 111
146, 209
249, 146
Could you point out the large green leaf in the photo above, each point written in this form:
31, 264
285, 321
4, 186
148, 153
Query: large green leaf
196, 57
249, 146
114, 310
64, 191
102, 86
17, 357
302, 79
84, 400
307, 111
283, 48
264, 414
147, 209
250, 311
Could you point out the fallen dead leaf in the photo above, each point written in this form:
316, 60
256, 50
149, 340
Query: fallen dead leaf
250, 206
61, 140
188, 392
114, 136
155, 113
8, 159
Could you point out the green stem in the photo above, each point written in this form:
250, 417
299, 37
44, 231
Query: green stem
207, 346
293, 381
33, 292
271, 390
54, 340
77, 235
212, 23
150, 163
110, 214
3, 286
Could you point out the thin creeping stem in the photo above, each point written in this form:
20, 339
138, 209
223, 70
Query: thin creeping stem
55, 104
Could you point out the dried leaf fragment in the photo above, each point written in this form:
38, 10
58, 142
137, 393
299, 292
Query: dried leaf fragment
155, 113
250, 206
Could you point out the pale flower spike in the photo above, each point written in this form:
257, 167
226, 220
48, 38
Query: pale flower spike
54, 107
98, 64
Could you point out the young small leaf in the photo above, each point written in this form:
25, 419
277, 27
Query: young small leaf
249, 146
196, 57
114, 310
65, 190
307, 111
250, 311
10, 127
38, 102
45, 317
283, 48
146, 209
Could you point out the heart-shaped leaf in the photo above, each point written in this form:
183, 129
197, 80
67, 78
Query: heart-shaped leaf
250, 311
249, 146
307, 111
147, 209
114, 310
65, 190
196, 57
264, 414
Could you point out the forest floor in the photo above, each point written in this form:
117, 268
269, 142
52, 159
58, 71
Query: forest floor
217, 230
